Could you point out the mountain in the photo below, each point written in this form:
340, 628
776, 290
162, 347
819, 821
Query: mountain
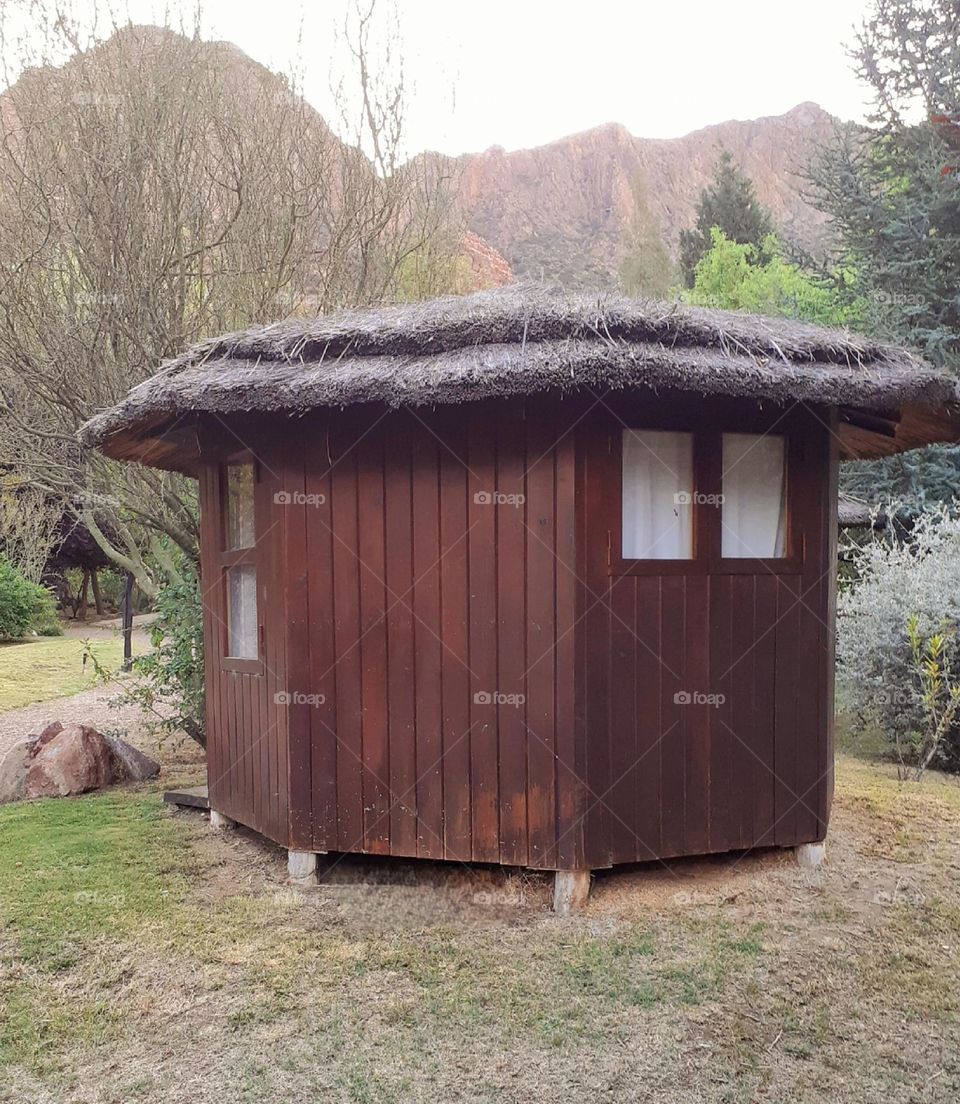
569, 210
575, 210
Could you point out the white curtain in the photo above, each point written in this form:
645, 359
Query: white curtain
754, 496
242, 632
657, 495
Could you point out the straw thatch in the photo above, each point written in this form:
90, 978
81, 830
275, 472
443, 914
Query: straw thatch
522, 340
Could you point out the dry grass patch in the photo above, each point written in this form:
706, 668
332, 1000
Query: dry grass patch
735, 979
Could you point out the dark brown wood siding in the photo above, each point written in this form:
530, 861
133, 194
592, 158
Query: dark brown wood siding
438, 551
748, 761
451, 668
247, 769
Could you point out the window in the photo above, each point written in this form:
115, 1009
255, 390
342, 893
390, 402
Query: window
704, 502
242, 612
240, 528
657, 489
239, 563
754, 504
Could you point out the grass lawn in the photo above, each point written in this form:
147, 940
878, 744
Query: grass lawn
51, 667
144, 957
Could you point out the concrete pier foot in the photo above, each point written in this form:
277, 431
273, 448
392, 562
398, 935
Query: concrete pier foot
302, 866
571, 888
810, 855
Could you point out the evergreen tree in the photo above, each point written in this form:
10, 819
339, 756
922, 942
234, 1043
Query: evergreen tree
730, 204
892, 193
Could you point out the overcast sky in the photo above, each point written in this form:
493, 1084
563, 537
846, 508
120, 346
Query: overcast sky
522, 72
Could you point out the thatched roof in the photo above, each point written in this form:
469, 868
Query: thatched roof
523, 340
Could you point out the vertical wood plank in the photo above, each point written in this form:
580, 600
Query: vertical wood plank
457, 791
373, 642
649, 713
765, 673
723, 824
429, 566
571, 685
511, 680
482, 517
541, 628
400, 673
346, 573
674, 712
292, 520
785, 710
700, 715
321, 578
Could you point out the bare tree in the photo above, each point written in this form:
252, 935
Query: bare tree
156, 189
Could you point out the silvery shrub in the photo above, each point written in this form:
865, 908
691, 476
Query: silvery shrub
911, 570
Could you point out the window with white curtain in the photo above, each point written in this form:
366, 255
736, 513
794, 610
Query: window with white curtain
657, 495
242, 612
754, 510
238, 561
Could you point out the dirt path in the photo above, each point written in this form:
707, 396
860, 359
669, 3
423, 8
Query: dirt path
93, 707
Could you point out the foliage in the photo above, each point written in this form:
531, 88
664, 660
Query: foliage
736, 276
894, 208
25, 607
157, 188
729, 203
171, 683
896, 636
29, 526
939, 693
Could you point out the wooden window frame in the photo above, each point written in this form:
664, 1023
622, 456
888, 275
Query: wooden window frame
239, 557
707, 518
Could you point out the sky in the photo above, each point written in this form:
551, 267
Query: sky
519, 73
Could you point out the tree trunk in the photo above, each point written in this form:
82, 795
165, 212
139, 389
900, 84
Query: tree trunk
95, 584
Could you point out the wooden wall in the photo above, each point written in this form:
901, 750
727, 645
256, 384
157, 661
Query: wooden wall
408, 604
393, 598
247, 765
666, 777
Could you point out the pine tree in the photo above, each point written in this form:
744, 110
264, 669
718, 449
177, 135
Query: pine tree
892, 193
730, 204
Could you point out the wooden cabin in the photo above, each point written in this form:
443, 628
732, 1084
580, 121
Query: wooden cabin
524, 578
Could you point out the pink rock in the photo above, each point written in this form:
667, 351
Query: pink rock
14, 765
49, 731
72, 761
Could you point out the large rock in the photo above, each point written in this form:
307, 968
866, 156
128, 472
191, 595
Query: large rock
73, 761
13, 770
129, 764
70, 760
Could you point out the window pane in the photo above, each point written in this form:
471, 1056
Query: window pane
657, 495
242, 612
754, 496
240, 531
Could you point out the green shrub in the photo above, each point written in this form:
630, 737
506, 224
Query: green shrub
24, 606
171, 683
